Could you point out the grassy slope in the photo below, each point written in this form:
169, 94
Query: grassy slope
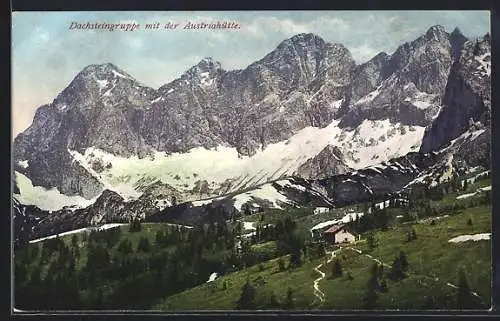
429, 256
432, 255
213, 296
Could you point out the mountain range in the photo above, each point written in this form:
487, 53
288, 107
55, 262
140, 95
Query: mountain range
304, 126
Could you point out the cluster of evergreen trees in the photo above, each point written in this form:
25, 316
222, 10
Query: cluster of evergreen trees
376, 284
379, 219
103, 269
115, 274
248, 299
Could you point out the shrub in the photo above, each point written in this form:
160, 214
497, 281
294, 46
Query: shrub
337, 269
281, 264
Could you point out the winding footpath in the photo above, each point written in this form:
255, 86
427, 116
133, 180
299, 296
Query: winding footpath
436, 279
320, 295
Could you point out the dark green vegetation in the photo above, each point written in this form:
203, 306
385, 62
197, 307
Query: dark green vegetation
132, 266
406, 262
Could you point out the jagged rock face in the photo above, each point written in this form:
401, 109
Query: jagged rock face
303, 82
374, 182
457, 40
54, 166
265, 103
109, 207
468, 96
407, 86
99, 108
369, 75
24, 222
477, 152
105, 108
328, 162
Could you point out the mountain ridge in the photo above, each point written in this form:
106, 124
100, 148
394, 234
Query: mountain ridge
266, 121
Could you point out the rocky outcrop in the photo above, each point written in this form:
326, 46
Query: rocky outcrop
467, 98
328, 162
106, 108
407, 86
303, 82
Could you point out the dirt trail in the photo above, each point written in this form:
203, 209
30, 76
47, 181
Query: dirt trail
317, 291
436, 279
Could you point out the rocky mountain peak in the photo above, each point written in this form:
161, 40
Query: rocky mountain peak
381, 56
108, 195
303, 82
436, 32
457, 40
456, 32
468, 95
205, 70
208, 64
103, 71
304, 38
300, 44
98, 83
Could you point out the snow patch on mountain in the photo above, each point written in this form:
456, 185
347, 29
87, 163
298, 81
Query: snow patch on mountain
204, 202
117, 74
249, 226
421, 100
46, 199
474, 237
369, 97
371, 143
102, 83
465, 196
485, 63
380, 141
265, 192
212, 277
349, 217
336, 104
80, 230
205, 79
467, 136
23, 163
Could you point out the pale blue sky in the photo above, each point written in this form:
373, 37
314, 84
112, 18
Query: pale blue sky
46, 55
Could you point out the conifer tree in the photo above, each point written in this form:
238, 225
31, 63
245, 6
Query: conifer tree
143, 245
273, 301
413, 234
289, 299
295, 259
383, 286
465, 299
281, 264
404, 261
370, 298
372, 242
247, 298
430, 302
337, 269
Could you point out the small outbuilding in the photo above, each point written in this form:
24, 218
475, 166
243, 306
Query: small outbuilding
338, 234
